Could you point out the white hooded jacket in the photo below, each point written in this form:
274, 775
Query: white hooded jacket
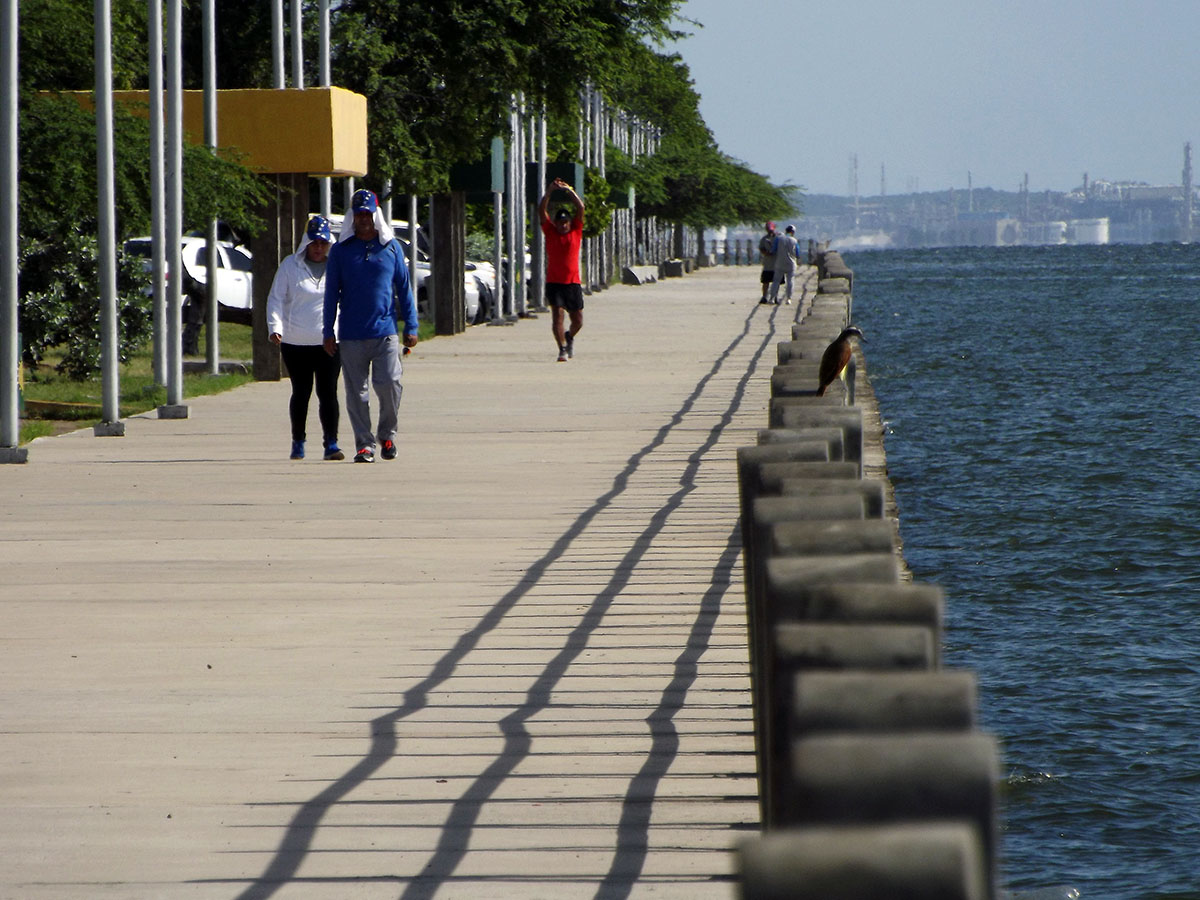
296, 303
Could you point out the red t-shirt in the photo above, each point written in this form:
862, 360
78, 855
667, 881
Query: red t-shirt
562, 253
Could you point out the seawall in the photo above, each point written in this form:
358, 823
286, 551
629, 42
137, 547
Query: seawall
875, 780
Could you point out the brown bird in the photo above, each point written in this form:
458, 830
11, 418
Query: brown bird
836, 357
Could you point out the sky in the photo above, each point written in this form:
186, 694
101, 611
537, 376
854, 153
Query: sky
929, 93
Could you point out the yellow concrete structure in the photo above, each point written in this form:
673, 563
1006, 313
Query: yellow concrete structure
316, 131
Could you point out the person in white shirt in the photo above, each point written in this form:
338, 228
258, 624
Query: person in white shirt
295, 322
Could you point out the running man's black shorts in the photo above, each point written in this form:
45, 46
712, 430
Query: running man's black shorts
568, 296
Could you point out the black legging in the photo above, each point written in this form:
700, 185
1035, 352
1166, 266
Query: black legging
304, 363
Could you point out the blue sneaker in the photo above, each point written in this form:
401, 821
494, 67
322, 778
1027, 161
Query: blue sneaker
297, 450
332, 451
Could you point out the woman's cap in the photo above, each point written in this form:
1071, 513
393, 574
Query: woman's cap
318, 229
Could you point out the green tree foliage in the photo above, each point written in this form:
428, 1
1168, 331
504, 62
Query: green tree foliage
440, 75
56, 43
57, 190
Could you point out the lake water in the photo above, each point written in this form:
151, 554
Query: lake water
1042, 434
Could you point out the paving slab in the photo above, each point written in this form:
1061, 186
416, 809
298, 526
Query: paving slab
509, 664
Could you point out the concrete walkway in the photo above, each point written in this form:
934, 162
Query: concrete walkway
511, 663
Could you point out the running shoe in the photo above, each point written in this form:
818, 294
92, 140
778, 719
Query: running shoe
364, 454
388, 450
332, 451
297, 450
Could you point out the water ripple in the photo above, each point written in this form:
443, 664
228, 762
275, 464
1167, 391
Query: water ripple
1044, 451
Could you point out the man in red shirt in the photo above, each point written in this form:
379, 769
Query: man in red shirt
564, 233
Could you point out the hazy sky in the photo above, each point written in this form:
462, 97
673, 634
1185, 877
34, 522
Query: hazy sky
934, 89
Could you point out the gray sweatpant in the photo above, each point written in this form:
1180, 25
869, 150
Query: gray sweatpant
376, 359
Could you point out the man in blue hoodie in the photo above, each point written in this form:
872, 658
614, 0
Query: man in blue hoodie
368, 293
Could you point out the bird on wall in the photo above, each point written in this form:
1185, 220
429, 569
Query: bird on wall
836, 357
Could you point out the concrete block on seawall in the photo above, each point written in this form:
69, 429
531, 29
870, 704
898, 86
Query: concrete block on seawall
890, 701
872, 491
793, 597
839, 646
673, 268
833, 286
832, 436
876, 779
639, 275
869, 862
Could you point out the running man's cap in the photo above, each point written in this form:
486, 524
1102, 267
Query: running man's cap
561, 215
364, 201
770, 226
318, 229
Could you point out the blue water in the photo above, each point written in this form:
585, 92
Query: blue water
1043, 436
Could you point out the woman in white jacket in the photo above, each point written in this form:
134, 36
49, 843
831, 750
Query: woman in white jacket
295, 321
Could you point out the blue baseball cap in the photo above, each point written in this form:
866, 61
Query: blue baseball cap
318, 229
364, 201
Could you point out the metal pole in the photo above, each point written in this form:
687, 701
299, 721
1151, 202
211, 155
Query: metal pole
497, 257
277, 43
519, 204
539, 239
323, 40
157, 226
497, 232
297, 45
412, 246
106, 248
510, 232
10, 423
174, 408
212, 343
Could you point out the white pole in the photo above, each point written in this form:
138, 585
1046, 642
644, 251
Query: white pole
412, 246
10, 423
323, 39
519, 205
157, 226
174, 226
510, 234
277, 43
539, 239
297, 45
106, 248
212, 343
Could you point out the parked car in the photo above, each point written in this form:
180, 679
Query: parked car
234, 285
234, 282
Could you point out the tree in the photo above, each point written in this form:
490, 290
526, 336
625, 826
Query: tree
440, 75
57, 190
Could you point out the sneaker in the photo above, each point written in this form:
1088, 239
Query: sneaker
364, 454
297, 450
332, 451
788, 301
570, 347
562, 354
764, 300
388, 450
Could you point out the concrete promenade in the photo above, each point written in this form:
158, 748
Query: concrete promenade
511, 663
